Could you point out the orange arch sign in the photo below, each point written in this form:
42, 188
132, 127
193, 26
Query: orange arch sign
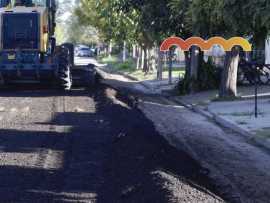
205, 44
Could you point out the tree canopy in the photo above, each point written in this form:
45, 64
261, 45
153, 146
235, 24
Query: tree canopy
148, 22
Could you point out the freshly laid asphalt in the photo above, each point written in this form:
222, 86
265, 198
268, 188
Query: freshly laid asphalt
89, 146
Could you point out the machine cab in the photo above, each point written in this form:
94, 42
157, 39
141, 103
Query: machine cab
27, 25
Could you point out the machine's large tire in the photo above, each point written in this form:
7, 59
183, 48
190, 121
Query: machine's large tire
64, 72
90, 76
70, 48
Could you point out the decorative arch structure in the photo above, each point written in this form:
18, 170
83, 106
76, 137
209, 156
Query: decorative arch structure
205, 44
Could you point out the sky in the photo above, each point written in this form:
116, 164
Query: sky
67, 13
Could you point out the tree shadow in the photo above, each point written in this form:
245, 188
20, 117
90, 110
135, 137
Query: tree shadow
39, 90
111, 155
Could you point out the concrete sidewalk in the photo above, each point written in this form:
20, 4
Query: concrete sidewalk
237, 115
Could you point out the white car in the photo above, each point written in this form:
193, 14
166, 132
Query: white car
83, 51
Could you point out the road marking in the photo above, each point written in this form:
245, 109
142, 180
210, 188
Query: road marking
2, 109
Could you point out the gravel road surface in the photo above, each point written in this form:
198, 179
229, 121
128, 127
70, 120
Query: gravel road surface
89, 146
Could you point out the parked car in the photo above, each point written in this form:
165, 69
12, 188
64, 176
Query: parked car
83, 51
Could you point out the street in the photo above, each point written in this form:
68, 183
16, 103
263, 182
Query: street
89, 146
134, 101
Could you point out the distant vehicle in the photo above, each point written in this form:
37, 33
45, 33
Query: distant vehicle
83, 51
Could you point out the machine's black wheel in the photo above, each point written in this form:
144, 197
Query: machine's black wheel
65, 76
90, 76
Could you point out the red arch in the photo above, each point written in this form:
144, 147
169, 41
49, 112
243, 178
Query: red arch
205, 44
197, 41
173, 41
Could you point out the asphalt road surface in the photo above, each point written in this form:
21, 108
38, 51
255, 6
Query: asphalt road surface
89, 146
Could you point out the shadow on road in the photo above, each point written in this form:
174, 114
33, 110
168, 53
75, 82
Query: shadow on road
39, 90
111, 155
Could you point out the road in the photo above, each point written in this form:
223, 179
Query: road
89, 146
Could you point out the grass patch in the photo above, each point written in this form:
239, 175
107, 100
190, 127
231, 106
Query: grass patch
108, 60
129, 68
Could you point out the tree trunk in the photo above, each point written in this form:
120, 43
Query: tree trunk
142, 58
110, 49
139, 58
124, 51
134, 51
194, 67
145, 60
153, 59
187, 64
228, 87
149, 60
194, 63
159, 62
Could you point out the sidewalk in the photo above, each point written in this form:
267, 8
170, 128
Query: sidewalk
237, 115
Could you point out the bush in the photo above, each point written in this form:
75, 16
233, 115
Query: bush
208, 78
128, 65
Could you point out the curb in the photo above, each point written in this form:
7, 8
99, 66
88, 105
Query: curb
233, 126
193, 108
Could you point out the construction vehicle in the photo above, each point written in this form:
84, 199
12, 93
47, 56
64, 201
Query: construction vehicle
28, 50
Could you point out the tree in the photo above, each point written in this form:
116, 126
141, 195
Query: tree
63, 14
228, 18
148, 22
199, 18
247, 18
112, 23
81, 34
